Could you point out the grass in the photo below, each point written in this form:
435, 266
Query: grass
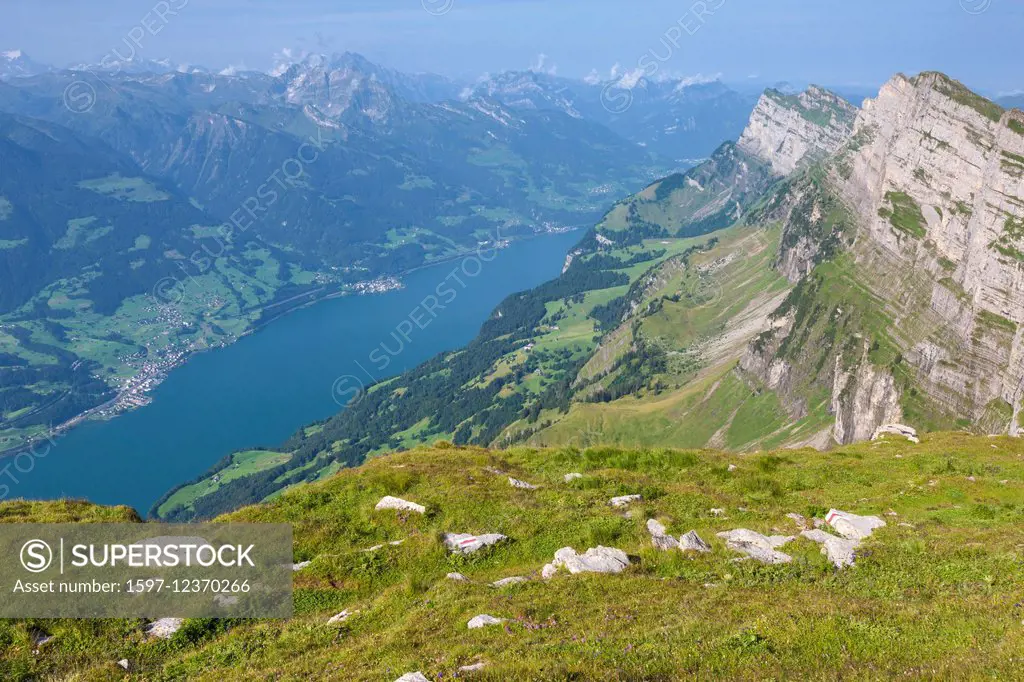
932, 600
905, 214
242, 464
126, 189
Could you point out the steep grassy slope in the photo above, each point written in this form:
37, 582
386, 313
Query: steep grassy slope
936, 593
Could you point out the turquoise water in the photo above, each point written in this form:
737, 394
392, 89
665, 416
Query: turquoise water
262, 389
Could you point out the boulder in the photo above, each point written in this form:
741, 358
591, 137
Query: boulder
568, 478
691, 542
756, 546
164, 628
458, 577
522, 485
903, 430
659, 537
548, 571
594, 560
505, 582
464, 543
399, 504
852, 526
483, 620
624, 500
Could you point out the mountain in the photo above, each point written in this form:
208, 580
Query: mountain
320, 183
378, 593
17, 64
572, 342
921, 285
834, 272
1012, 101
679, 118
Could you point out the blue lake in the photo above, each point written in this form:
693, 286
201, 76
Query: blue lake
262, 389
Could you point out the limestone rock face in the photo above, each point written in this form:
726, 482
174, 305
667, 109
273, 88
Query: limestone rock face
960, 160
863, 399
789, 131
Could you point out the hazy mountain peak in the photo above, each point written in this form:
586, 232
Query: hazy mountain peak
17, 64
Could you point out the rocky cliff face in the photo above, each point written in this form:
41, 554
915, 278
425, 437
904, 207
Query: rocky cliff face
932, 180
938, 186
789, 131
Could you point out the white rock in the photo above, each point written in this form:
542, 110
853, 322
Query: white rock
505, 582
523, 485
816, 535
691, 542
301, 565
659, 537
164, 628
780, 540
568, 478
798, 519
465, 543
594, 560
484, 620
840, 551
548, 571
897, 430
717, 512
123, 663
733, 467
399, 504
473, 668
458, 577
413, 677
755, 546
341, 617
624, 500
852, 526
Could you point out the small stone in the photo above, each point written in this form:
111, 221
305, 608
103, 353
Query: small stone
473, 667
399, 504
483, 620
457, 577
595, 560
624, 500
717, 512
413, 677
659, 537
798, 519
505, 582
971, 479
756, 546
691, 542
568, 478
522, 485
124, 664
733, 467
548, 571
301, 565
852, 526
341, 617
464, 543
164, 628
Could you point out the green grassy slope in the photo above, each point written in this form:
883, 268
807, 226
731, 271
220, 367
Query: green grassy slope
934, 594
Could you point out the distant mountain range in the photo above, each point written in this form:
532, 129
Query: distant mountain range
203, 198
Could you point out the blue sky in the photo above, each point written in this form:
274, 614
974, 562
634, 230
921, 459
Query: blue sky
832, 42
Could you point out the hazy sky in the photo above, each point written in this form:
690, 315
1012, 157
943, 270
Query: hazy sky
835, 42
